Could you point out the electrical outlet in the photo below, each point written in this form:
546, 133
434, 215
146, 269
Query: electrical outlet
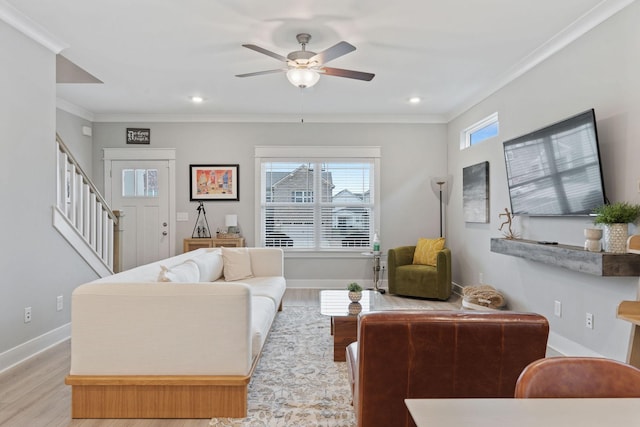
557, 308
59, 303
383, 265
588, 322
27, 314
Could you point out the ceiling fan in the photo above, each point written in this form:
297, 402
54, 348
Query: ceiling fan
304, 67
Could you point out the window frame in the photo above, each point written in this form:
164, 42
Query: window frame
316, 154
467, 133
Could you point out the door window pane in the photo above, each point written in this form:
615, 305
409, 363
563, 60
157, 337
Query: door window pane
140, 183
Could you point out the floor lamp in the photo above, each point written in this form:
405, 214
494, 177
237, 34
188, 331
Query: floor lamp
440, 184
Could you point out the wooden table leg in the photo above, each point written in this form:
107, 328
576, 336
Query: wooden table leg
345, 331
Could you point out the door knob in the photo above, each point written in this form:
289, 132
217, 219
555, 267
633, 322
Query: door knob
164, 224
164, 233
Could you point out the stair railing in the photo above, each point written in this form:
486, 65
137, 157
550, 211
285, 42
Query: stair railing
82, 207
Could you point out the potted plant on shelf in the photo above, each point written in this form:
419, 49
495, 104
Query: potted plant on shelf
616, 218
355, 291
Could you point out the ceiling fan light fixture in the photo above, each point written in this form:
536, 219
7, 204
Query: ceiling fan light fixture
303, 77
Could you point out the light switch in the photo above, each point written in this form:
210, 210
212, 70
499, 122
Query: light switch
182, 216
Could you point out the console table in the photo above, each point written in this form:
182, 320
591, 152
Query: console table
206, 242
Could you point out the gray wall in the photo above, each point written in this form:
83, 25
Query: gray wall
69, 127
411, 154
36, 262
599, 70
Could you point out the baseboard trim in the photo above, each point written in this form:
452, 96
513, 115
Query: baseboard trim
33, 347
566, 347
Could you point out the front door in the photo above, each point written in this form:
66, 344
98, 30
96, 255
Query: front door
140, 189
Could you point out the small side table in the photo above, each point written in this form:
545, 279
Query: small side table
376, 270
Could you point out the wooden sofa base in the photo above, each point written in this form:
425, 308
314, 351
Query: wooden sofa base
158, 396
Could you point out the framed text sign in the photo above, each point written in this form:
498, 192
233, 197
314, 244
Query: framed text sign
138, 136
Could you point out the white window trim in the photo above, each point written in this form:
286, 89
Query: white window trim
465, 134
293, 153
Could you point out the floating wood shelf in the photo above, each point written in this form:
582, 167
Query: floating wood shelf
571, 257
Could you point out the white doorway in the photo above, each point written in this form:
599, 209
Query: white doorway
141, 184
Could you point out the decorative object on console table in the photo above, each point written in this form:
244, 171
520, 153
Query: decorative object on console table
475, 193
616, 218
231, 221
593, 236
201, 228
214, 182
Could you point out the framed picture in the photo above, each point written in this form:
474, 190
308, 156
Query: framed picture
214, 182
475, 193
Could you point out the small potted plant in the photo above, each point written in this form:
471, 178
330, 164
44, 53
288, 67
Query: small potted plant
355, 291
616, 218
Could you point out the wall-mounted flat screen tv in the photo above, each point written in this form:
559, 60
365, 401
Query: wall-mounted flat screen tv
556, 170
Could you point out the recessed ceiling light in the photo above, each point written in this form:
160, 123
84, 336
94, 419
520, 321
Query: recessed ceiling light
197, 99
415, 100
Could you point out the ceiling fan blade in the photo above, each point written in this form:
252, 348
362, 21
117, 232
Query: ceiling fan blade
259, 73
351, 74
265, 51
332, 53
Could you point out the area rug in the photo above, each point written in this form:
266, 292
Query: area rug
296, 382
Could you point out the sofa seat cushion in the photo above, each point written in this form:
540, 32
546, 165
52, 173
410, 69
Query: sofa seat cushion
272, 287
263, 313
210, 265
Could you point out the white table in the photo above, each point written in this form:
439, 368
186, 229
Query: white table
524, 412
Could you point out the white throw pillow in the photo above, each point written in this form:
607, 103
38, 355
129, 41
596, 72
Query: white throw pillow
210, 265
187, 272
237, 263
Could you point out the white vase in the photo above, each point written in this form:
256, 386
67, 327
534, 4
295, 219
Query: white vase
615, 238
593, 236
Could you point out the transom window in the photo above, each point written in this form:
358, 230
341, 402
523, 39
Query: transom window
326, 204
480, 131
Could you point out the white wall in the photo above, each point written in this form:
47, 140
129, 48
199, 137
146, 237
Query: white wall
36, 263
599, 70
410, 155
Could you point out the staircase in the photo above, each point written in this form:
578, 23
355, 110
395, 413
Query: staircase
83, 217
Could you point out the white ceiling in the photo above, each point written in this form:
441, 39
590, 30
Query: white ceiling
152, 55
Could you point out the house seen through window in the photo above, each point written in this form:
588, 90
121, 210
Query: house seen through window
320, 205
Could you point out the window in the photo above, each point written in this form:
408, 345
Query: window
326, 204
139, 183
480, 131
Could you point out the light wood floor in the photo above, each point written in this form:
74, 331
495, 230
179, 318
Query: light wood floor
33, 394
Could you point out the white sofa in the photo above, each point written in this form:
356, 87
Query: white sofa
146, 347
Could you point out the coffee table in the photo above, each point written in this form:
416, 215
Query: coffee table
344, 317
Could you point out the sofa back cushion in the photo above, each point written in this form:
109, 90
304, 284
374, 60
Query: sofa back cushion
210, 265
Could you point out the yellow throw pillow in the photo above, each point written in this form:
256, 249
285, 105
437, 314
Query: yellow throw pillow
427, 251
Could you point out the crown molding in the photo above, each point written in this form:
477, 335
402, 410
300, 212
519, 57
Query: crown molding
266, 118
70, 108
30, 28
591, 19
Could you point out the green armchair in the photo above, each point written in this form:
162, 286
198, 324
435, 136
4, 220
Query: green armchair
413, 280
